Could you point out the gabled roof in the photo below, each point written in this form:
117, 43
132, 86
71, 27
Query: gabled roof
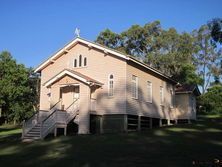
106, 50
85, 79
186, 88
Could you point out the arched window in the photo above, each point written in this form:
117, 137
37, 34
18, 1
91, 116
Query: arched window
75, 63
111, 85
80, 60
85, 61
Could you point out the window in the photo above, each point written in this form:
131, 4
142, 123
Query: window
149, 92
172, 98
49, 94
193, 103
80, 60
75, 63
134, 87
110, 86
85, 61
161, 95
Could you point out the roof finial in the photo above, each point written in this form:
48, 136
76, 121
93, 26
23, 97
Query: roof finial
77, 32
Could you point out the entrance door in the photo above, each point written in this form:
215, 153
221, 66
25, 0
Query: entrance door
68, 94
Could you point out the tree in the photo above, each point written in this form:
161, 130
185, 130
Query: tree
215, 25
188, 75
17, 93
136, 41
109, 39
165, 50
211, 100
208, 57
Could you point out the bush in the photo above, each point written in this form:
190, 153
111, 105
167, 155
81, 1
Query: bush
210, 102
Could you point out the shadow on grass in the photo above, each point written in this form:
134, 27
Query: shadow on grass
7, 128
168, 146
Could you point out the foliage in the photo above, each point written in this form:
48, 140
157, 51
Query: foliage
188, 75
17, 93
211, 100
208, 58
109, 39
166, 50
215, 26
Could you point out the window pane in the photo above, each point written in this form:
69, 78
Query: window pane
110, 86
134, 87
149, 91
80, 60
75, 63
85, 61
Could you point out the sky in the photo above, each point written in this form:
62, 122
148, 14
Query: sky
32, 30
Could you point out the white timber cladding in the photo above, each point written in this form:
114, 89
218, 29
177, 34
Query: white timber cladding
99, 66
90, 45
134, 87
141, 106
65, 72
69, 46
149, 92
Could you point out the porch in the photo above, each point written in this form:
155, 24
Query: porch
71, 98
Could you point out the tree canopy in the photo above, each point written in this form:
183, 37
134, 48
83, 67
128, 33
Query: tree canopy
211, 100
18, 93
166, 50
215, 26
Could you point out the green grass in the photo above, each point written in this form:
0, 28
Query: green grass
174, 146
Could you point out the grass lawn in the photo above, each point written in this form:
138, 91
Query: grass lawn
174, 146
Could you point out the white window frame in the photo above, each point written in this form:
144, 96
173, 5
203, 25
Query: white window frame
161, 96
149, 86
134, 82
172, 98
110, 93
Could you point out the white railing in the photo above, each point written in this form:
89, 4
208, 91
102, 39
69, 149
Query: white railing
59, 117
93, 104
72, 110
37, 118
48, 124
29, 124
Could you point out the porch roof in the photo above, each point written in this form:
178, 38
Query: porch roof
186, 88
85, 79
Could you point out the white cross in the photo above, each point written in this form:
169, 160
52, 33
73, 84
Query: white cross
77, 32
